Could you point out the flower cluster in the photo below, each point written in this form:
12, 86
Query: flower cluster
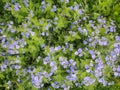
57, 45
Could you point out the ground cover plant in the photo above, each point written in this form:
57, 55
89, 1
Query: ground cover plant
59, 45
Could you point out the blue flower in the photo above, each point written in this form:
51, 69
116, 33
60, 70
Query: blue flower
52, 50
55, 85
103, 41
9, 83
54, 8
37, 80
107, 58
52, 63
80, 12
71, 77
16, 7
80, 55
116, 74
79, 50
26, 3
53, 66
118, 69
88, 81
76, 7
3, 40
117, 38
17, 66
13, 31
3, 67
43, 34
85, 42
76, 53
108, 63
86, 67
11, 51
18, 80
32, 33
112, 29
71, 7
46, 60
27, 35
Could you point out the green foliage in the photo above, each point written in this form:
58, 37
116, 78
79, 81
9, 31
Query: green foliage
35, 34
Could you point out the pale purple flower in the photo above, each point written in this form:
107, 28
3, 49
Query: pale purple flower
91, 52
52, 64
52, 50
32, 33
72, 77
26, 3
86, 67
98, 73
100, 20
79, 50
108, 63
54, 8
64, 63
76, 84
117, 38
46, 60
9, 83
116, 74
107, 58
55, 85
85, 42
118, 69
3, 40
88, 81
84, 31
84, 18
17, 66
37, 80
76, 53
55, 23
101, 79
27, 35
114, 69
76, 7
12, 30
18, 80
17, 46
3, 67
71, 7
80, 29
80, 12
88, 70
16, 7
112, 29
80, 55
11, 51
43, 45
47, 27
43, 34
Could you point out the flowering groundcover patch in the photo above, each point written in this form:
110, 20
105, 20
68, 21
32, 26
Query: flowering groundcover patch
59, 45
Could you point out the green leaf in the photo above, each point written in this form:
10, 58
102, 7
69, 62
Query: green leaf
1, 76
